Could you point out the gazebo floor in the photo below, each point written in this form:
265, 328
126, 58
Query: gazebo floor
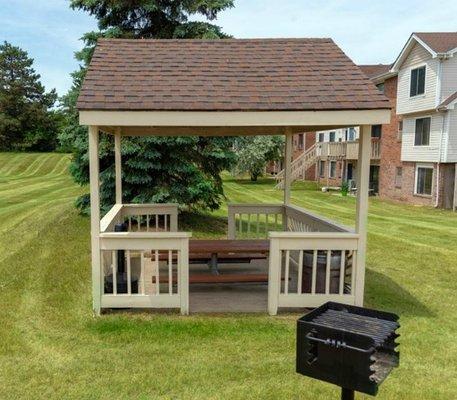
230, 297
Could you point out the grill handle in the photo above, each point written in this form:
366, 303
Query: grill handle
338, 344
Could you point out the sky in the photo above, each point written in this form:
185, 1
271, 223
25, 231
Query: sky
368, 31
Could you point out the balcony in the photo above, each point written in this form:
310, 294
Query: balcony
346, 150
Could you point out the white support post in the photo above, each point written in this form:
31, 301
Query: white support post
183, 276
95, 217
118, 165
287, 166
274, 277
363, 177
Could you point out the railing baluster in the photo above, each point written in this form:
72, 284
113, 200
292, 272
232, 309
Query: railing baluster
257, 228
130, 223
314, 273
266, 224
114, 255
165, 217
157, 272
286, 273
129, 273
170, 273
327, 272
240, 225
353, 272
138, 222
249, 224
143, 280
147, 222
300, 271
343, 260
276, 221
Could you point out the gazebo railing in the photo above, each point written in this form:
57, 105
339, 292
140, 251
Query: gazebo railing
147, 266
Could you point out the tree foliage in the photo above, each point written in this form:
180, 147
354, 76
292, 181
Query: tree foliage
26, 119
255, 152
185, 170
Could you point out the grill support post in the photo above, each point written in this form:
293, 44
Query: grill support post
347, 394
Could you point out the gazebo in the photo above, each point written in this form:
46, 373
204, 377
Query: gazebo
226, 88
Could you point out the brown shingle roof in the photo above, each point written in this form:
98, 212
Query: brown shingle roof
439, 42
225, 75
374, 70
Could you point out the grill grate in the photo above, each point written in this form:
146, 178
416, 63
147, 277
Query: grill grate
352, 347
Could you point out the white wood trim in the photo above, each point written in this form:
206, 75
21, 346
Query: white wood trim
110, 218
234, 118
95, 217
274, 277
140, 301
363, 178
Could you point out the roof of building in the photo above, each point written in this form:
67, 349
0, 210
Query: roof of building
225, 75
439, 42
448, 101
374, 70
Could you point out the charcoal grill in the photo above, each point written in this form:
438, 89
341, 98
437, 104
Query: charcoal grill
352, 347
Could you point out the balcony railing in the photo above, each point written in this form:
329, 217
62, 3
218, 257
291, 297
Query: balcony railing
346, 150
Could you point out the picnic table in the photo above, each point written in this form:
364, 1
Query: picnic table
217, 250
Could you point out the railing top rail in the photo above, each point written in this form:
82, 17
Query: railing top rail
312, 235
151, 205
255, 205
110, 217
318, 218
146, 235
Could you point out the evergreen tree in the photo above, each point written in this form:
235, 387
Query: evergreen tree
185, 170
26, 121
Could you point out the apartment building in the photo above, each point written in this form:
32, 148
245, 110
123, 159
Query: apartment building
426, 99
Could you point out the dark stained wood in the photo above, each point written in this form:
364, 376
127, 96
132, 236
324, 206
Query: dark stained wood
229, 246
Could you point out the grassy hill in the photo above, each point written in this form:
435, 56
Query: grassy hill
51, 347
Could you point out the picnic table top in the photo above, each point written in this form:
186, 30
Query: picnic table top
229, 246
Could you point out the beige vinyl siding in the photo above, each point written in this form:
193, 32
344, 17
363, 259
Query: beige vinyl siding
416, 58
410, 152
451, 147
449, 77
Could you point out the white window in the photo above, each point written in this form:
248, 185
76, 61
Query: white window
424, 180
417, 85
351, 134
332, 169
422, 133
331, 136
321, 169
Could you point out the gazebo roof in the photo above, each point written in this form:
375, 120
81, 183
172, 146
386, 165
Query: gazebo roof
225, 75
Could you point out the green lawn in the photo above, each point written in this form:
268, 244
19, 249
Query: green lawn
51, 347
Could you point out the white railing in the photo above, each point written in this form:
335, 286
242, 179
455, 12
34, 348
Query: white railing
142, 217
133, 267
254, 220
298, 166
307, 269
346, 150
147, 266
301, 220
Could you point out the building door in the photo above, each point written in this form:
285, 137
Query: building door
448, 185
349, 172
374, 178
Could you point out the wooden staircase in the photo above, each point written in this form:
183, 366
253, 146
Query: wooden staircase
298, 166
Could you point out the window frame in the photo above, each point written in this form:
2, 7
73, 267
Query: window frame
330, 137
380, 131
321, 171
416, 179
429, 117
417, 68
398, 181
331, 162
319, 137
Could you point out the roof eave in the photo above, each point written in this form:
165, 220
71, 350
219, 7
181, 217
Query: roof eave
413, 39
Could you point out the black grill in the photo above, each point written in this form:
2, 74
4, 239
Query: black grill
352, 347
